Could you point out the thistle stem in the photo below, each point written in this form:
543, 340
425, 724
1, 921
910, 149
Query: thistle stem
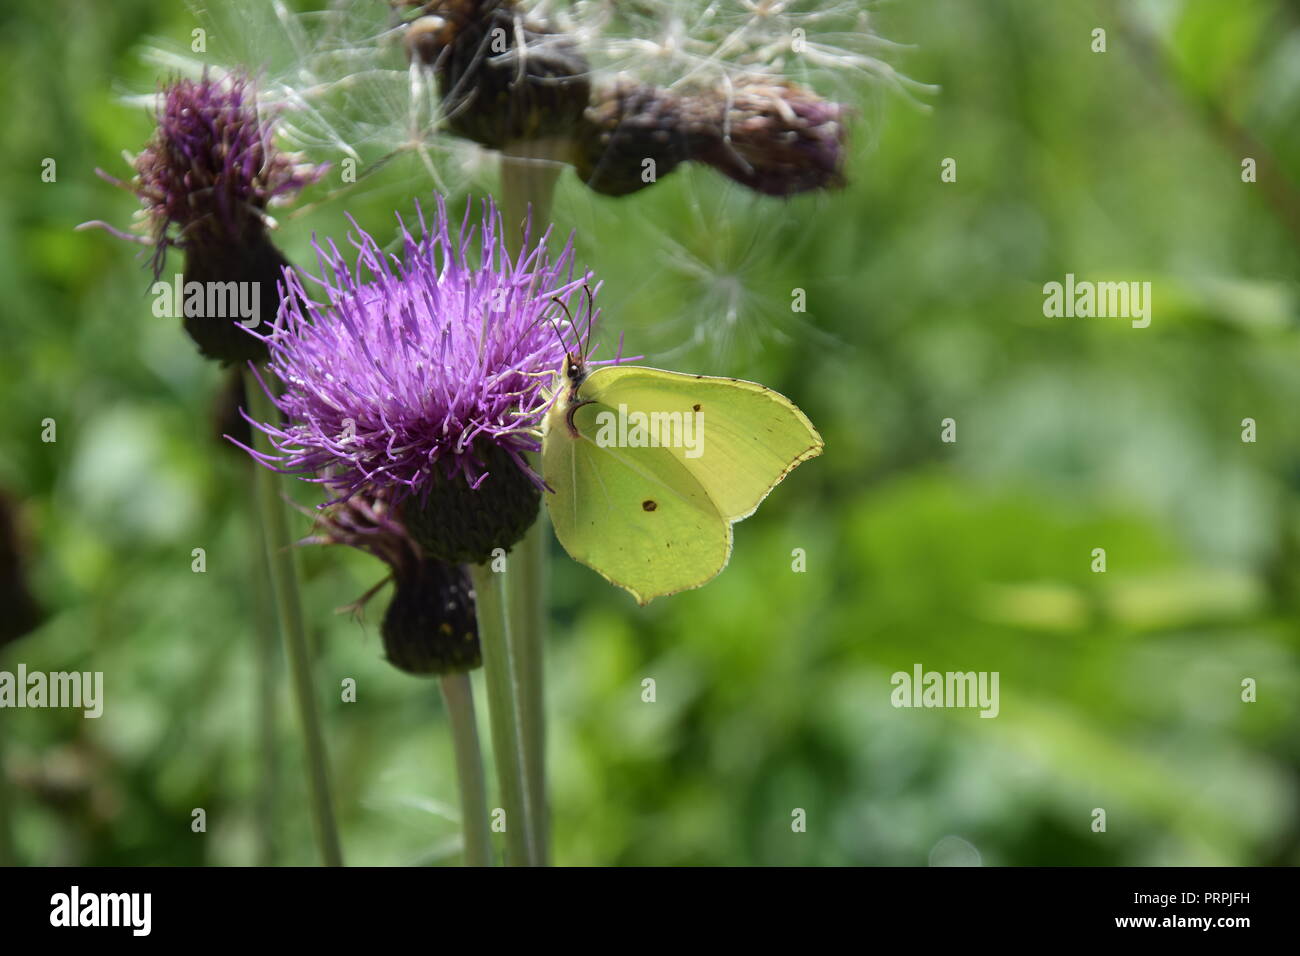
264, 663
284, 576
528, 175
458, 694
527, 586
529, 171
503, 693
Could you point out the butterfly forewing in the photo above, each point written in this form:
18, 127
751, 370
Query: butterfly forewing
749, 437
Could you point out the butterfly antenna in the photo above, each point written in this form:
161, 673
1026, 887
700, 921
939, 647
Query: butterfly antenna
557, 301
535, 323
523, 336
591, 318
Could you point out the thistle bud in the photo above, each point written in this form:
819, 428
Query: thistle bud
430, 627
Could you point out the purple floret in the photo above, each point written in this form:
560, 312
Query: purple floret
212, 167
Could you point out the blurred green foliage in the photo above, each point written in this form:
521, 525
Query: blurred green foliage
1118, 690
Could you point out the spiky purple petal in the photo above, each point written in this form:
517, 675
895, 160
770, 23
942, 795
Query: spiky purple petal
419, 363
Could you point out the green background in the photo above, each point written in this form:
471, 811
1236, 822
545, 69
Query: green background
1119, 690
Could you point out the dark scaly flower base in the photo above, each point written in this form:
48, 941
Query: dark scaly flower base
463, 525
490, 93
256, 260
625, 126
430, 626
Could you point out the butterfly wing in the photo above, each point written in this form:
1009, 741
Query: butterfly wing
636, 515
752, 436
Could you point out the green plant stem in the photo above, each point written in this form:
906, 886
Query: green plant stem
526, 582
458, 694
265, 668
528, 175
500, 678
284, 576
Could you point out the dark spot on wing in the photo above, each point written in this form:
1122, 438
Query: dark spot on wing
649, 505
697, 408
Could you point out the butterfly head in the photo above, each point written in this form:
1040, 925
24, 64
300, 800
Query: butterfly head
575, 370
575, 360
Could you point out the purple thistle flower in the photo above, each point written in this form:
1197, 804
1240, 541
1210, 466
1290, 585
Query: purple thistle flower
212, 168
205, 182
426, 377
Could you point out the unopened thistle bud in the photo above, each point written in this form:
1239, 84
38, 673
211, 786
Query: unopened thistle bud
430, 625
503, 77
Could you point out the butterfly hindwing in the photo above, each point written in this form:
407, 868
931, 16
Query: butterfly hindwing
654, 517
635, 515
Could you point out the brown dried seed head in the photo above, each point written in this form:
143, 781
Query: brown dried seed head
777, 138
503, 77
774, 137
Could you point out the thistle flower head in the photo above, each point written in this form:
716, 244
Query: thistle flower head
212, 168
368, 522
427, 374
777, 138
205, 181
773, 136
